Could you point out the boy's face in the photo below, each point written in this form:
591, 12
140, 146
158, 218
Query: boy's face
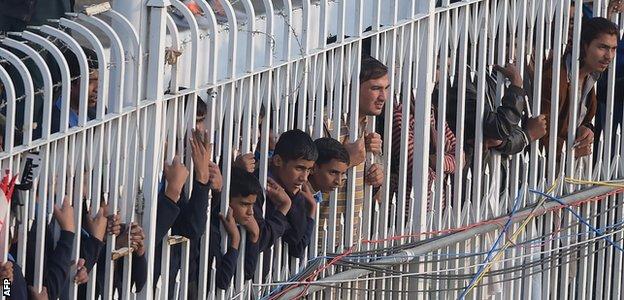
293, 173
600, 52
242, 208
373, 95
330, 175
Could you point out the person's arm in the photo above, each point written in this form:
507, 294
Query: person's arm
166, 214
298, 245
515, 142
271, 228
139, 271
192, 218
499, 124
225, 263
90, 249
58, 265
251, 258
19, 288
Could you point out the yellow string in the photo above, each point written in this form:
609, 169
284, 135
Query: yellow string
599, 183
513, 237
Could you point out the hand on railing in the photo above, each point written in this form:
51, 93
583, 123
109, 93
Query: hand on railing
374, 176
583, 142
137, 238
536, 127
230, 227
357, 151
246, 162
615, 7
201, 151
33, 295
176, 175
81, 272
278, 196
96, 226
64, 215
216, 179
373, 143
113, 225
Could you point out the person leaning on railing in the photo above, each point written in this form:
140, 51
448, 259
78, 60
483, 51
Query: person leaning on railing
374, 86
292, 162
245, 190
74, 95
185, 216
57, 262
502, 131
599, 38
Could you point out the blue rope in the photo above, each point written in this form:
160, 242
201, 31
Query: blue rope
599, 232
493, 249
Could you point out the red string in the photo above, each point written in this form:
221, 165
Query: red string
313, 275
554, 209
495, 221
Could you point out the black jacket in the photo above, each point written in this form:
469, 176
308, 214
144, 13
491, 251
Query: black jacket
57, 262
226, 263
186, 218
501, 123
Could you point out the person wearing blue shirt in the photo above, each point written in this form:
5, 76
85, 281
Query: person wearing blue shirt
74, 96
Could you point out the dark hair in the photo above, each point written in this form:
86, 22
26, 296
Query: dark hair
296, 144
372, 69
202, 108
328, 149
593, 28
243, 184
74, 65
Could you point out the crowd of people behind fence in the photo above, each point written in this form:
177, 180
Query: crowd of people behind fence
302, 172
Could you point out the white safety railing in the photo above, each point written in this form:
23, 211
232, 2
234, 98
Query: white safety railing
264, 66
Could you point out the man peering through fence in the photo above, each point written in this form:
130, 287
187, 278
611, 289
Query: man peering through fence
74, 96
374, 85
599, 38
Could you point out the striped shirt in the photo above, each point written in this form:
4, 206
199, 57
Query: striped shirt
449, 151
341, 199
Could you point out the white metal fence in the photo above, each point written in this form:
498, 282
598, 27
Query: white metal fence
254, 54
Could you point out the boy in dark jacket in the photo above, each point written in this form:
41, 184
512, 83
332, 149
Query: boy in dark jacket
185, 216
244, 192
293, 160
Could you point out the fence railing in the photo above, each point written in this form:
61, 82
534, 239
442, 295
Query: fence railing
477, 230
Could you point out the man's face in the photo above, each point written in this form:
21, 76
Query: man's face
330, 175
600, 52
293, 173
199, 123
242, 208
373, 95
92, 91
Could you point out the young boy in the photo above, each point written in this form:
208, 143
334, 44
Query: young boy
244, 192
330, 167
292, 162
